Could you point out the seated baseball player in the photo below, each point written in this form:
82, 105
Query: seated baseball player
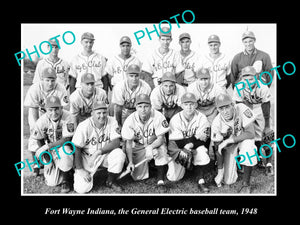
82, 99
166, 97
258, 99
232, 132
54, 128
144, 132
97, 141
188, 142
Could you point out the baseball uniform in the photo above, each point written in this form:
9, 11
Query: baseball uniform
157, 64
81, 107
94, 64
220, 128
191, 64
90, 139
144, 134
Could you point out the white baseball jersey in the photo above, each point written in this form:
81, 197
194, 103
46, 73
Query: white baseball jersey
90, 138
157, 64
117, 67
36, 96
181, 128
81, 107
219, 68
144, 134
191, 64
94, 64
61, 68
160, 99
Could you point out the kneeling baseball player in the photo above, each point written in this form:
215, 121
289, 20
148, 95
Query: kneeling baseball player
189, 140
97, 141
144, 131
232, 130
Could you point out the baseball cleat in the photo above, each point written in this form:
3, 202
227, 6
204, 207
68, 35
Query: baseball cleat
269, 169
219, 177
203, 188
115, 187
160, 183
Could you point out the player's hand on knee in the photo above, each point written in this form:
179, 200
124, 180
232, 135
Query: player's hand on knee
149, 152
130, 167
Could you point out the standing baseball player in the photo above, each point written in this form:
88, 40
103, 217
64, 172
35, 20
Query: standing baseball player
163, 60
97, 141
189, 59
116, 67
144, 132
206, 93
60, 66
87, 61
189, 140
217, 63
166, 97
231, 131
125, 92
258, 99
82, 99
251, 56
54, 128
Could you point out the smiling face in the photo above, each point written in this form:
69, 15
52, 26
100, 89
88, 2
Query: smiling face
214, 47
99, 116
87, 44
249, 44
54, 113
125, 49
189, 108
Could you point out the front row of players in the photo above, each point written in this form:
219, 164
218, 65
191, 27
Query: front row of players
178, 138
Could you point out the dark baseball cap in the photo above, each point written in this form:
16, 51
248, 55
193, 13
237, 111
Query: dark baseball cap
52, 102
99, 105
87, 35
184, 35
125, 39
142, 98
49, 72
133, 68
87, 78
168, 76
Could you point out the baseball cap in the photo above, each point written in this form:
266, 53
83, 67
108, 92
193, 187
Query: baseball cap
168, 76
248, 34
203, 73
125, 39
164, 31
184, 35
213, 38
222, 100
99, 105
248, 70
87, 78
188, 97
52, 101
133, 68
53, 42
87, 35
142, 98
49, 73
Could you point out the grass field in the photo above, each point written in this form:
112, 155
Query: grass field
261, 184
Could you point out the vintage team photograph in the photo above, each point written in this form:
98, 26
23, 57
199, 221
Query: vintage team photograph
148, 109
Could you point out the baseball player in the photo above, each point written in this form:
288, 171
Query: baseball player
144, 132
232, 130
60, 66
217, 63
164, 60
189, 131
251, 56
189, 59
97, 141
82, 99
166, 97
258, 99
87, 61
54, 128
117, 66
125, 92
206, 93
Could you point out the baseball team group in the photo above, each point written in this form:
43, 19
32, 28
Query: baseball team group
175, 109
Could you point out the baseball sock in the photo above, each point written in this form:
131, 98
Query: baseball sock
247, 175
111, 178
199, 172
161, 172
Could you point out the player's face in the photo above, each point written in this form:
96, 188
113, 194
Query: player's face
143, 110
133, 79
249, 44
185, 44
125, 48
251, 80
168, 87
204, 82
214, 47
54, 113
189, 108
48, 83
87, 44
227, 112
99, 116
54, 51
165, 41
88, 88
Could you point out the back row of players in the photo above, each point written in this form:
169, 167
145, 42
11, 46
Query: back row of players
182, 89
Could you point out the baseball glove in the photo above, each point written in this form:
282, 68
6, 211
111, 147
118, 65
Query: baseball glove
185, 158
268, 137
